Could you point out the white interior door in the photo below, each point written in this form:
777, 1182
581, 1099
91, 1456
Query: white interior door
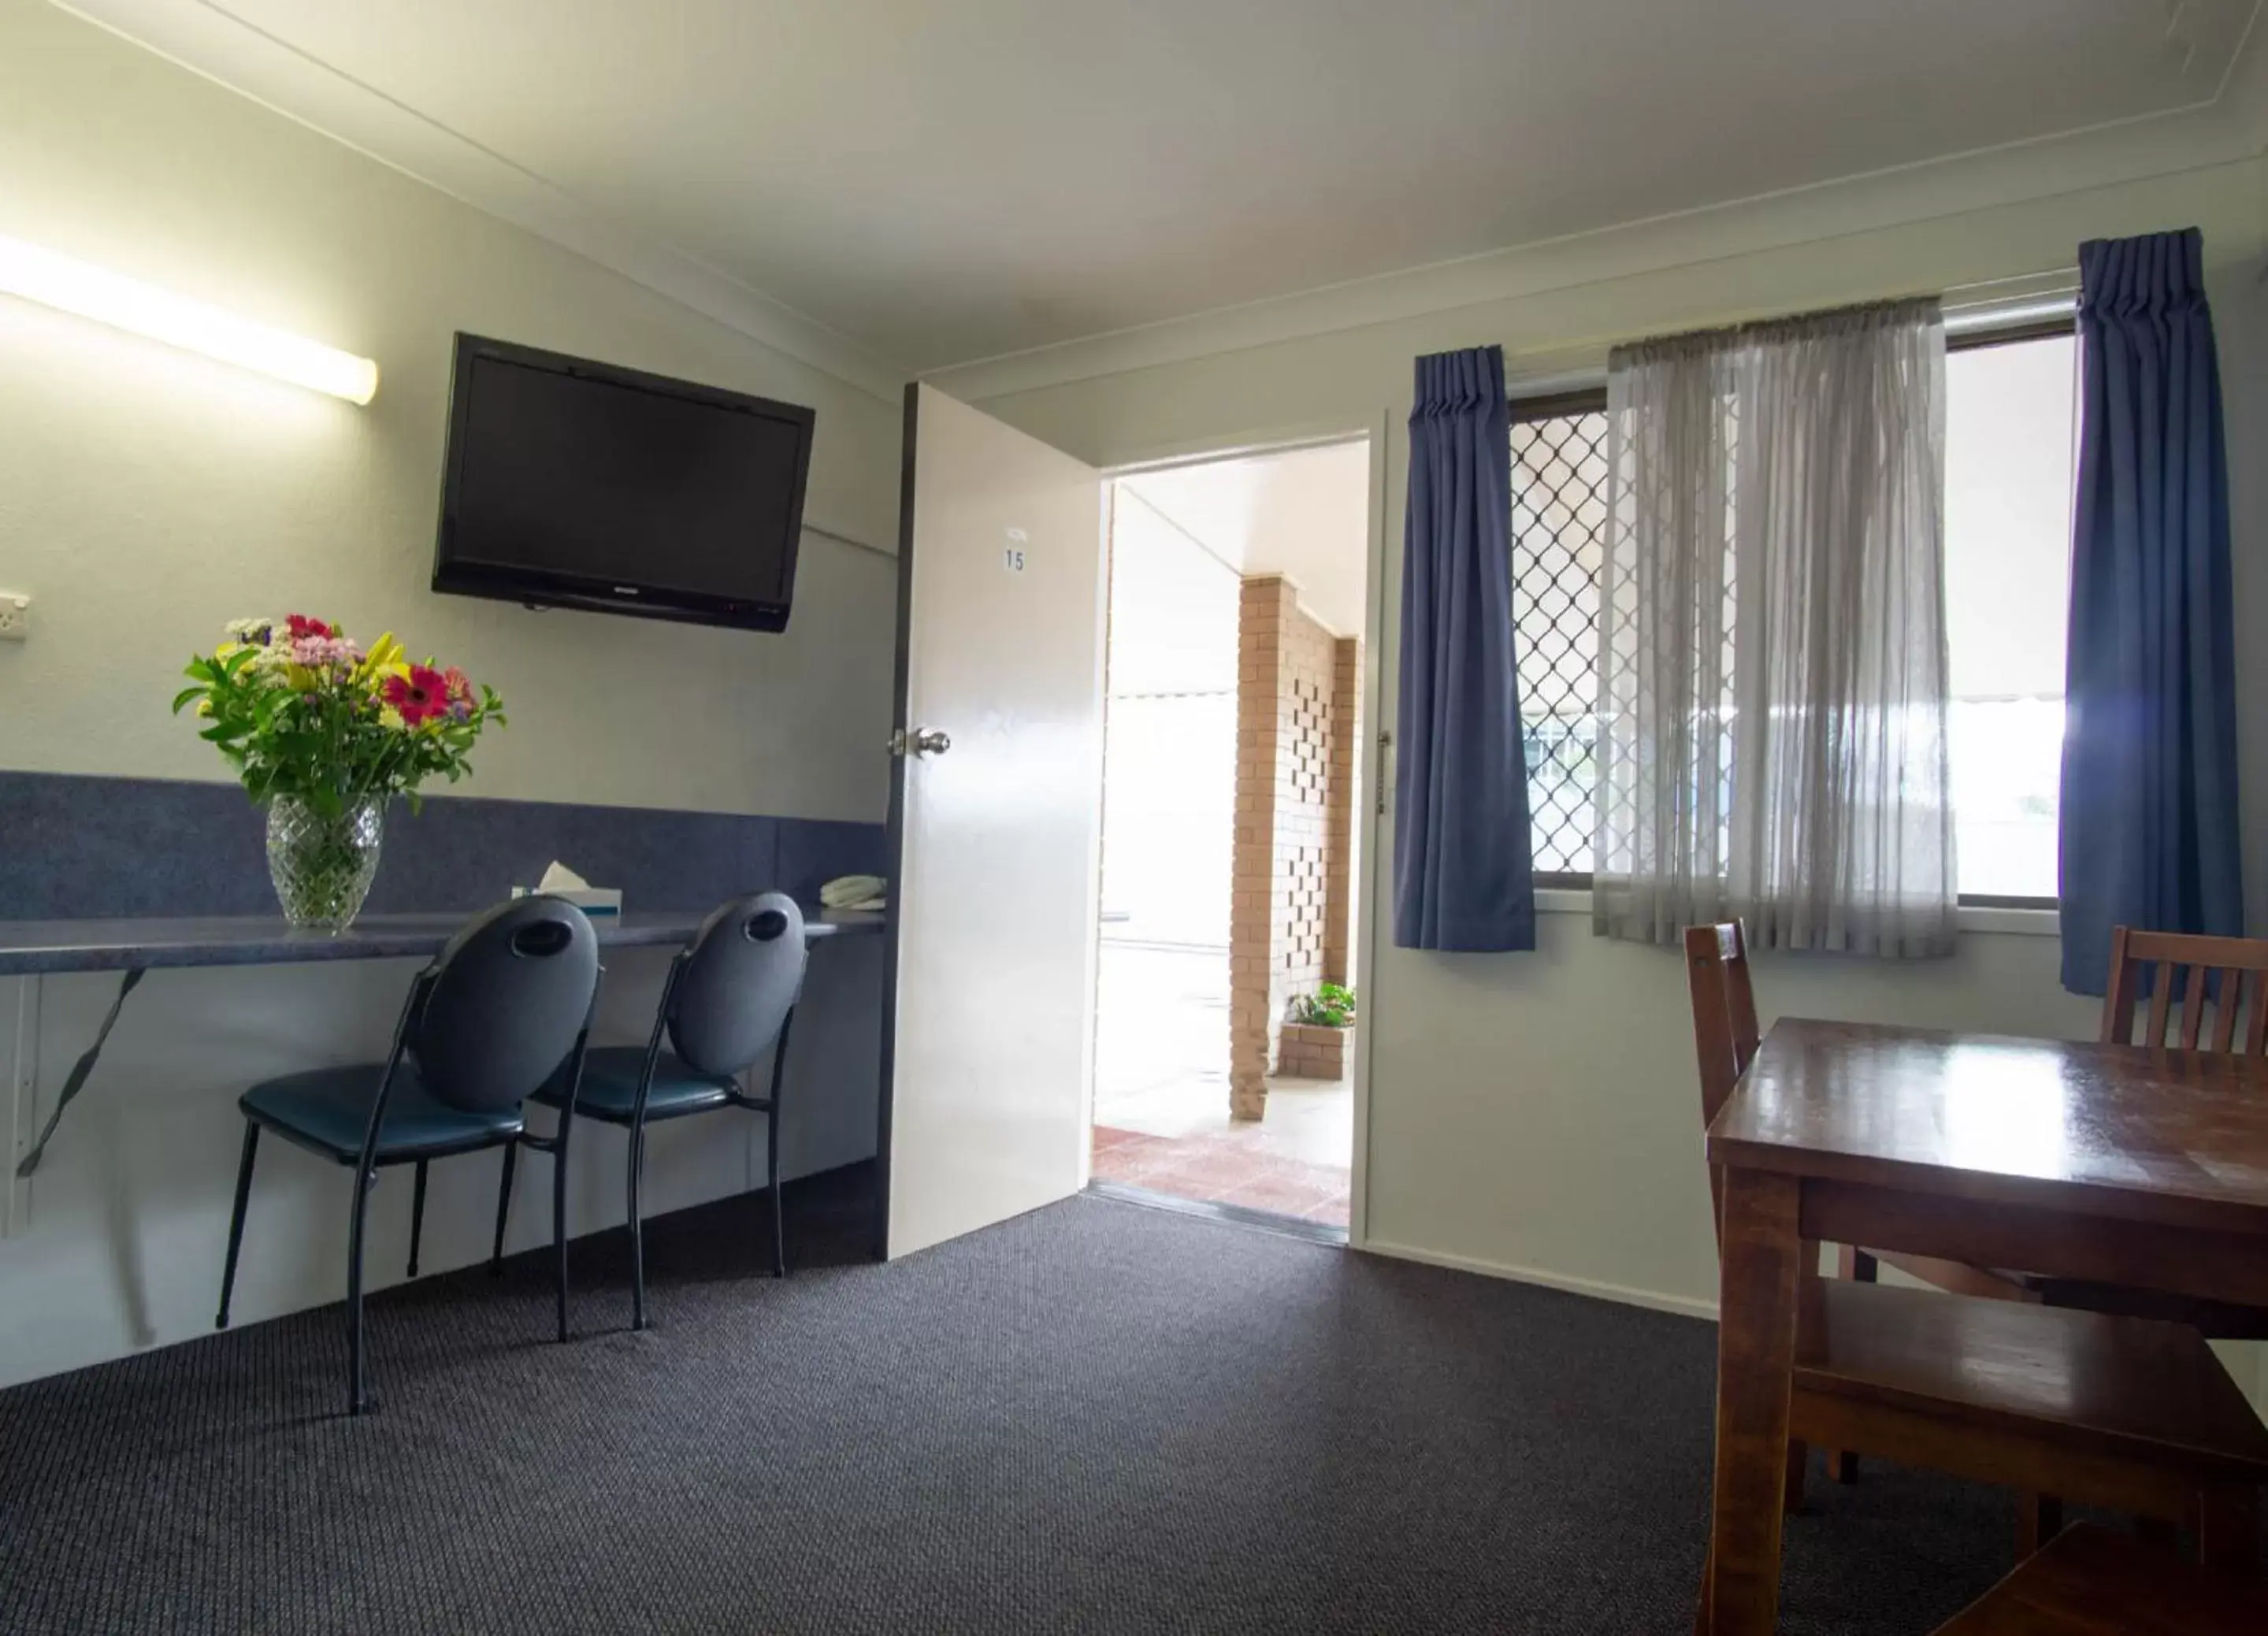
995, 820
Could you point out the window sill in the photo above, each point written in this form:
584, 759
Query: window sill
1973, 919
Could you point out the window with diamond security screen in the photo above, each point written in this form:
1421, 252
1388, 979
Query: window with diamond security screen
2009, 433
1558, 519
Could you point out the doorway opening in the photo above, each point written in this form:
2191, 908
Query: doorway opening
1226, 1011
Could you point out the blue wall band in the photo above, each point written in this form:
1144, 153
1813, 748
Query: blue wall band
82, 847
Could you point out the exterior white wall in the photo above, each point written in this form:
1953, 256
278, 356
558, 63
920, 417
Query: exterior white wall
1537, 1114
146, 496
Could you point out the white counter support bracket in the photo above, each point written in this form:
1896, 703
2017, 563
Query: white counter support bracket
73, 1082
23, 1088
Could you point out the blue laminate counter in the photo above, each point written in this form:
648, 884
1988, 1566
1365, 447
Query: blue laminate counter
34, 947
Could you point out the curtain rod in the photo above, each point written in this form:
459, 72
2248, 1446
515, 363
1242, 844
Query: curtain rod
1993, 304
1965, 317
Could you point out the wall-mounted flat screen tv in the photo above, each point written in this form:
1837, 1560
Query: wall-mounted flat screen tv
576, 484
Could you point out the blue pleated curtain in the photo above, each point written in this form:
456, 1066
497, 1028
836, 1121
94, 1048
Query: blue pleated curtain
1463, 878
2149, 816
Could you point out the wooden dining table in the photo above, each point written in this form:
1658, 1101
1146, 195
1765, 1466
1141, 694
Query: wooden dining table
2118, 1163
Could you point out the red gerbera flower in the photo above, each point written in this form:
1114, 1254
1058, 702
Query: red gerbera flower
301, 625
420, 696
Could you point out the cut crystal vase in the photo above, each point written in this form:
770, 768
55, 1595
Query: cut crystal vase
322, 865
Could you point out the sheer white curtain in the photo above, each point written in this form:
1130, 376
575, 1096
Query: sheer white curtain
1772, 669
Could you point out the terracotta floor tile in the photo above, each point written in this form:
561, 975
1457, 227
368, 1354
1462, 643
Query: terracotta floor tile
1239, 1164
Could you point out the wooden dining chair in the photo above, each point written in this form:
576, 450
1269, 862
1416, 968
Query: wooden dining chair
2221, 980
2093, 1582
2225, 976
2133, 1415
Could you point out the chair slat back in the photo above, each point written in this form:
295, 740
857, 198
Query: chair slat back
1725, 1032
742, 979
2222, 979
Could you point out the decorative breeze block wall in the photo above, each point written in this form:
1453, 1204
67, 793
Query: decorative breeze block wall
1341, 827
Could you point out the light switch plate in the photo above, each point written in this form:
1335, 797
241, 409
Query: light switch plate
15, 617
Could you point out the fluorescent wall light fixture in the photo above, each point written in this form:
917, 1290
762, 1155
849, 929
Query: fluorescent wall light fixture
108, 298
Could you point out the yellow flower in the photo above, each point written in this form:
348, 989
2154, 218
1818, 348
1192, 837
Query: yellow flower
204, 707
226, 648
385, 657
300, 679
390, 719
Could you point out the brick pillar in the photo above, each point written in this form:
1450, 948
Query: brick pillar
1260, 609
1340, 825
1286, 688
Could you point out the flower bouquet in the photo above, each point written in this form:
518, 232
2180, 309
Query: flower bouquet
323, 734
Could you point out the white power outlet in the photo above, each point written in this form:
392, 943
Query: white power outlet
15, 617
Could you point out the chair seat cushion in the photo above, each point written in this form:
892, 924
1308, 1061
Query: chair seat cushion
327, 1109
610, 1077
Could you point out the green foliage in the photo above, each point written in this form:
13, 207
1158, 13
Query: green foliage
301, 711
1330, 1006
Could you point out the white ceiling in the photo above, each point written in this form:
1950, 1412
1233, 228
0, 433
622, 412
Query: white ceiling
1304, 513
940, 183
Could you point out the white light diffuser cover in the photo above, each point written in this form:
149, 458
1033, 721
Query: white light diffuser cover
108, 298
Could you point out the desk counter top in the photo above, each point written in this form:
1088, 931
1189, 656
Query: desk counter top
34, 947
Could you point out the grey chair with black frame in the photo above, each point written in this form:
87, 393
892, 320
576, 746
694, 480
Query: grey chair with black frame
730, 993
504, 1007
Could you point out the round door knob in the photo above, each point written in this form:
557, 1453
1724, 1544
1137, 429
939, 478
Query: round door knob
920, 741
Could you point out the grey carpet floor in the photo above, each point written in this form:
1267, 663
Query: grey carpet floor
1099, 1418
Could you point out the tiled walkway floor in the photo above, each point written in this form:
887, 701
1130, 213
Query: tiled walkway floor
1230, 1166
1161, 1097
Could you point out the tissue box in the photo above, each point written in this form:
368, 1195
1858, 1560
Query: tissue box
594, 900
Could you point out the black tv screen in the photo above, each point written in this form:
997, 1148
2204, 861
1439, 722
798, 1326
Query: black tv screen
576, 484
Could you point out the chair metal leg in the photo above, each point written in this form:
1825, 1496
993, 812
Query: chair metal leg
559, 1224
772, 1147
417, 1215
357, 1393
772, 1186
236, 1220
637, 1161
504, 1209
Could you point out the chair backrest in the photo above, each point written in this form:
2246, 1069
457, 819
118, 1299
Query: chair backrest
2227, 976
505, 1000
1725, 1032
742, 974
